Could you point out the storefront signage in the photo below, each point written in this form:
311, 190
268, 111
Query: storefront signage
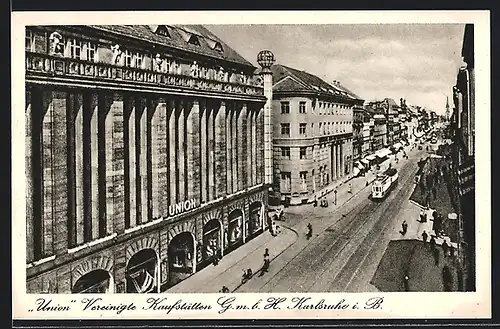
180, 207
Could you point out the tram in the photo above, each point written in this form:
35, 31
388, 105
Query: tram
384, 183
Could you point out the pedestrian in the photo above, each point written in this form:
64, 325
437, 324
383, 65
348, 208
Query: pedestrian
404, 227
435, 253
424, 236
447, 279
433, 243
406, 283
421, 216
350, 188
266, 253
445, 248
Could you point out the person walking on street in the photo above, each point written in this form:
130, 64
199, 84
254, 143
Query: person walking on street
406, 283
350, 188
435, 254
404, 227
424, 236
445, 248
266, 253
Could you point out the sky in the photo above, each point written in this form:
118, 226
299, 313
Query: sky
417, 62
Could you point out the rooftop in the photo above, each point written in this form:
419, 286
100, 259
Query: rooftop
177, 37
289, 79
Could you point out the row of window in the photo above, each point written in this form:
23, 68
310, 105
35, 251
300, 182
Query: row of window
339, 108
325, 128
285, 153
286, 181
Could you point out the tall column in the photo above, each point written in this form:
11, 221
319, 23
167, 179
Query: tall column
337, 161
250, 143
79, 227
55, 173
229, 150
173, 154
130, 166
193, 150
29, 176
203, 152
211, 150
91, 114
235, 142
181, 133
260, 147
331, 161
159, 158
242, 149
114, 166
142, 160
220, 151
254, 147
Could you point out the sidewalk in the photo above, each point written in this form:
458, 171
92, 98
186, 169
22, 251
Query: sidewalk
230, 268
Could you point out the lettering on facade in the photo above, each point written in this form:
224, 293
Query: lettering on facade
181, 207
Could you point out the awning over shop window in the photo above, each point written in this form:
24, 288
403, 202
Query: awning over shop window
397, 146
365, 161
383, 153
356, 171
371, 157
359, 165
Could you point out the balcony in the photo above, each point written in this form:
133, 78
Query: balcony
51, 66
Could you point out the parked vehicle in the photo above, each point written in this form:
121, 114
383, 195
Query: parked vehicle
384, 183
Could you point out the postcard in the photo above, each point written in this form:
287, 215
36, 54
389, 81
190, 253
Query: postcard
294, 164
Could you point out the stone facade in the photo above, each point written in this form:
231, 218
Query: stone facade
313, 133
127, 163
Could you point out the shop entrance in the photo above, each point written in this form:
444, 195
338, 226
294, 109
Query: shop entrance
212, 240
254, 223
94, 282
142, 272
234, 233
181, 257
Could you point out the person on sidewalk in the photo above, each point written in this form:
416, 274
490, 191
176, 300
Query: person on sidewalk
266, 253
404, 227
350, 188
406, 283
445, 248
447, 279
424, 236
435, 254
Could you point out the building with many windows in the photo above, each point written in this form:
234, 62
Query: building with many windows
463, 155
144, 156
312, 137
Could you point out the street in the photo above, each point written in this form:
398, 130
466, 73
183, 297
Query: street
347, 245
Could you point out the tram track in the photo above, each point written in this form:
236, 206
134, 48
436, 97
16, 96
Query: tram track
344, 278
334, 239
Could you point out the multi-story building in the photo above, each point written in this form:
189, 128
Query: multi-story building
463, 126
379, 140
312, 137
359, 138
391, 113
144, 156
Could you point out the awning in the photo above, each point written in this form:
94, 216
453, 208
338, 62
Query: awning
397, 146
371, 157
366, 162
356, 171
359, 165
383, 153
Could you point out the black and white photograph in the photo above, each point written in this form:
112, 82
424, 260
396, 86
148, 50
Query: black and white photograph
228, 158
